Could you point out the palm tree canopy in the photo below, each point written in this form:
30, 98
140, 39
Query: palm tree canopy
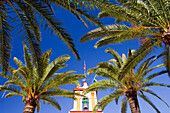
149, 21
138, 81
41, 84
28, 16
149, 18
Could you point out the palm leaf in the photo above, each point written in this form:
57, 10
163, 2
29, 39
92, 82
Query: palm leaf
5, 38
97, 33
28, 34
120, 13
28, 60
60, 92
14, 94
52, 101
108, 66
72, 79
38, 107
148, 101
154, 75
139, 55
55, 24
106, 100
10, 88
115, 55
124, 105
53, 67
141, 70
152, 93
45, 59
18, 62
166, 59
154, 84
56, 65
101, 85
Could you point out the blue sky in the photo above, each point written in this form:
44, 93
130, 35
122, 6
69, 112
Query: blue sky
92, 57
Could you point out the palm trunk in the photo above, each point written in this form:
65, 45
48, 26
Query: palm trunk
133, 101
30, 105
166, 37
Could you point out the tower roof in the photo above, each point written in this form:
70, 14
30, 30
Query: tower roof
81, 88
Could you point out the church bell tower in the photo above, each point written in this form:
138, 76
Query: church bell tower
84, 104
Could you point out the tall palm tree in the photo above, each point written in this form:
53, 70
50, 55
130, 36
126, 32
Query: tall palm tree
149, 21
34, 86
132, 86
29, 15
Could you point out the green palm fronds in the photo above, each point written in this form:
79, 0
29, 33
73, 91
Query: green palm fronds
29, 16
137, 80
149, 21
28, 82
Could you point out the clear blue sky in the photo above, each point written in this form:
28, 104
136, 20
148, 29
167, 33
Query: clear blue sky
92, 56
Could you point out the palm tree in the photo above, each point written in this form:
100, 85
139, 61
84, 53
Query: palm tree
134, 84
149, 21
34, 86
29, 15
149, 18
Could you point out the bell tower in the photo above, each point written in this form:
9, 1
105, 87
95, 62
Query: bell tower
84, 104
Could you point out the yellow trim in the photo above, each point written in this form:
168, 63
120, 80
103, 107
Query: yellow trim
93, 99
78, 102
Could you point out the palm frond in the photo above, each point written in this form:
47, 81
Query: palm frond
74, 9
102, 72
55, 65
114, 61
140, 54
5, 38
54, 24
124, 105
14, 94
154, 75
124, 58
120, 13
18, 62
106, 100
28, 60
52, 101
141, 70
28, 34
54, 82
101, 85
116, 100
45, 59
97, 33
152, 93
108, 66
154, 84
71, 79
159, 8
60, 92
119, 36
149, 102
38, 107
10, 88
15, 82
115, 55
166, 60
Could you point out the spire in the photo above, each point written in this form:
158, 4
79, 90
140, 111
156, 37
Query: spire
84, 66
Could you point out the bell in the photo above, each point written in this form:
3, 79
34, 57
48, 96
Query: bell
85, 101
85, 106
